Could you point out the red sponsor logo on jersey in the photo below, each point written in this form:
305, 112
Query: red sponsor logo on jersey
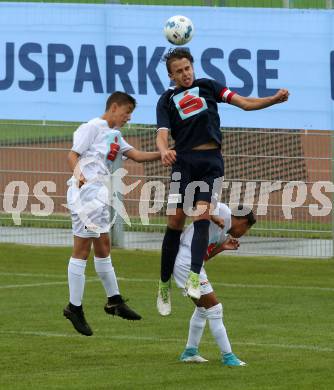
190, 103
114, 148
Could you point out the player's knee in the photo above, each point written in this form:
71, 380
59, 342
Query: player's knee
203, 210
215, 312
176, 223
81, 253
103, 251
102, 247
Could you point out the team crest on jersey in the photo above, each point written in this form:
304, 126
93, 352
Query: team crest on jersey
189, 103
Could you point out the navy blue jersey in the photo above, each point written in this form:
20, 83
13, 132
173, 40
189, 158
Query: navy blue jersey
191, 113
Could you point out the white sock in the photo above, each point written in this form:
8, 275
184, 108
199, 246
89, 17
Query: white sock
218, 330
196, 327
106, 272
76, 280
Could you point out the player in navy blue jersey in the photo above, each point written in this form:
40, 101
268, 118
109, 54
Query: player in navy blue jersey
189, 113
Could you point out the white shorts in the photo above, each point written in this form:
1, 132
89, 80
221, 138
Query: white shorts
182, 269
89, 209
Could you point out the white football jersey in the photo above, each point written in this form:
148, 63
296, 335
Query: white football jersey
217, 235
93, 141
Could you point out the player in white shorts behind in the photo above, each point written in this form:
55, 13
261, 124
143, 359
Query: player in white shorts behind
208, 307
96, 146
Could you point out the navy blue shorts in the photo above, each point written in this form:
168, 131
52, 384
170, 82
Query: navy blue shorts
195, 175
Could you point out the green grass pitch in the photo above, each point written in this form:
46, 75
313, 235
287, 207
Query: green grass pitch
278, 313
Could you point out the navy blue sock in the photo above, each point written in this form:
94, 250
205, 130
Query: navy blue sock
170, 247
199, 244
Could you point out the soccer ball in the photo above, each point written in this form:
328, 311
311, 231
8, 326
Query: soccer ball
179, 30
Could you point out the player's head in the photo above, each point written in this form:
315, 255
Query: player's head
119, 107
242, 219
179, 63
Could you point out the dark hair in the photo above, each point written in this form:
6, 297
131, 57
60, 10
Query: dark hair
244, 212
120, 98
177, 54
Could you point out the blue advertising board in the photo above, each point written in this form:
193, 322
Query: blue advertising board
61, 61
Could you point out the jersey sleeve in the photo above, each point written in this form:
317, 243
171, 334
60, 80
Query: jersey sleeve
162, 113
83, 137
222, 211
124, 146
225, 213
222, 93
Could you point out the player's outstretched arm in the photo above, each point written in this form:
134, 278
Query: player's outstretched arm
229, 245
250, 104
140, 156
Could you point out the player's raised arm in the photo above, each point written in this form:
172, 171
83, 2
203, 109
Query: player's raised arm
140, 156
250, 103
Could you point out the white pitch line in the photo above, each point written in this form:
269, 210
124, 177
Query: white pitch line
139, 280
29, 275
8, 286
313, 348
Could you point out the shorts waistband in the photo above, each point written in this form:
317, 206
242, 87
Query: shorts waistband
200, 151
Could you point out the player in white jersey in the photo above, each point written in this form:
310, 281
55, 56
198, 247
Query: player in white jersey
96, 146
225, 228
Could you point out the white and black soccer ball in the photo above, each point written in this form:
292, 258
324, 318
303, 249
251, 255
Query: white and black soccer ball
179, 30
